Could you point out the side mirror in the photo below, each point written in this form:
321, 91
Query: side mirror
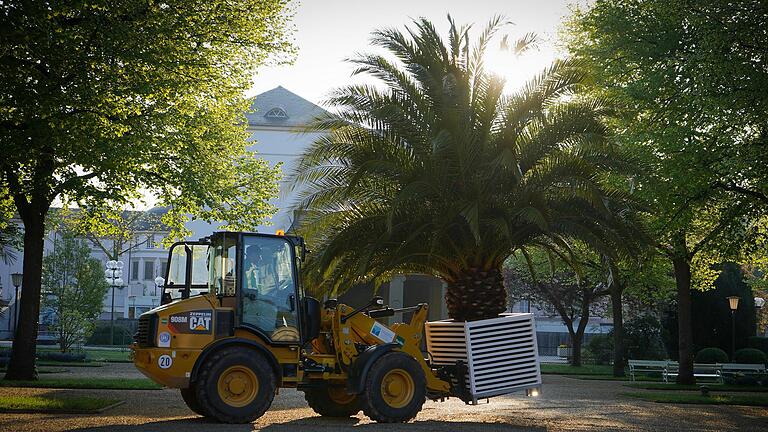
377, 301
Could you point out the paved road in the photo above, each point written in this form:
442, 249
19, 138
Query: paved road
566, 405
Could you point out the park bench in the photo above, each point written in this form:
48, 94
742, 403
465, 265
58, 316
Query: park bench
745, 369
645, 366
700, 370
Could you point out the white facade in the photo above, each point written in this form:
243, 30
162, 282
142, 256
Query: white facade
278, 126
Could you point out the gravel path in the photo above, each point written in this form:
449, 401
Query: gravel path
566, 405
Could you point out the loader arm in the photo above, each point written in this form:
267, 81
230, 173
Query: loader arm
361, 329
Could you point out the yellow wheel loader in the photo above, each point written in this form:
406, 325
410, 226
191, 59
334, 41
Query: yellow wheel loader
235, 325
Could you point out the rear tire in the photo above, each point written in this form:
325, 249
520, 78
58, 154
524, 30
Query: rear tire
235, 385
190, 398
395, 389
332, 401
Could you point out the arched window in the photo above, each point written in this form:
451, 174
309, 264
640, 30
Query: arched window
276, 113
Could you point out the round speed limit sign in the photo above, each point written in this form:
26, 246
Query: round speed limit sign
165, 361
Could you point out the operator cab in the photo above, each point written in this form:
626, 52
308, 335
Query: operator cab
257, 275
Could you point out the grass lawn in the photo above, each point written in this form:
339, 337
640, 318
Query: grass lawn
43, 370
45, 404
87, 383
91, 355
692, 398
100, 355
564, 369
696, 387
613, 378
108, 356
68, 364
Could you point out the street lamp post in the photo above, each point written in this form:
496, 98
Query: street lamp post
159, 281
113, 274
16, 280
733, 303
759, 302
4, 303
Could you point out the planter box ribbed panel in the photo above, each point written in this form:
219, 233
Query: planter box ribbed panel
501, 354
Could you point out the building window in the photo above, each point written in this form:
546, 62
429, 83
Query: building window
134, 270
276, 113
151, 241
149, 270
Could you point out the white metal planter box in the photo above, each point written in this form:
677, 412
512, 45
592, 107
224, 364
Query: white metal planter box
500, 353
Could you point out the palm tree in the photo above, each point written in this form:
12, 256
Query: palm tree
9, 242
436, 171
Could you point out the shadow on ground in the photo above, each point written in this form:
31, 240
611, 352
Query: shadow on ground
314, 424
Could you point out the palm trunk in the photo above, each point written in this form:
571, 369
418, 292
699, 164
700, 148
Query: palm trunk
22, 363
685, 332
476, 294
618, 330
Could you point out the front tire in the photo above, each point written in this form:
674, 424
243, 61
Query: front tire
395, 389
236, 385
190, 398
332, 401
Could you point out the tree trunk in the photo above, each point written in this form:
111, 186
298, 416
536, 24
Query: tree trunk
618, 329
685, 332
575, 350
476, 294
22, 364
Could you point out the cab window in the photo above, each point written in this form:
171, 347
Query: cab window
221, 267
177, 270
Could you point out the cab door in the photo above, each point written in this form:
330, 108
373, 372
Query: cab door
268, 288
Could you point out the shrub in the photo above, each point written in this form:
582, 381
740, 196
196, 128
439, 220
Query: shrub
711, 355
62, 357
749, 355
758, 342
642, 338
600, 349
100, 336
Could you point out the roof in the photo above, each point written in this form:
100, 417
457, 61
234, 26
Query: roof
280, 107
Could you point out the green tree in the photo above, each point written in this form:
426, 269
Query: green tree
690, 79
436, 171
571, 290
10, 235
73, 289
103, 100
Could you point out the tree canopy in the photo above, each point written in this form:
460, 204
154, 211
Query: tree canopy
104, 101
688, 79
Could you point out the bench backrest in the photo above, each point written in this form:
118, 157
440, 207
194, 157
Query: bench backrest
743, 366
706, 367
648, 363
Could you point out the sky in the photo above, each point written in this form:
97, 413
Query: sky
328, 31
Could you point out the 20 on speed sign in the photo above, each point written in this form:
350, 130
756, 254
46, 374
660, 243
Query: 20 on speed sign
165, 361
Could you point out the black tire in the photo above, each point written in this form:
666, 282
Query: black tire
259, 397
373, 400
332, 401
190, 398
